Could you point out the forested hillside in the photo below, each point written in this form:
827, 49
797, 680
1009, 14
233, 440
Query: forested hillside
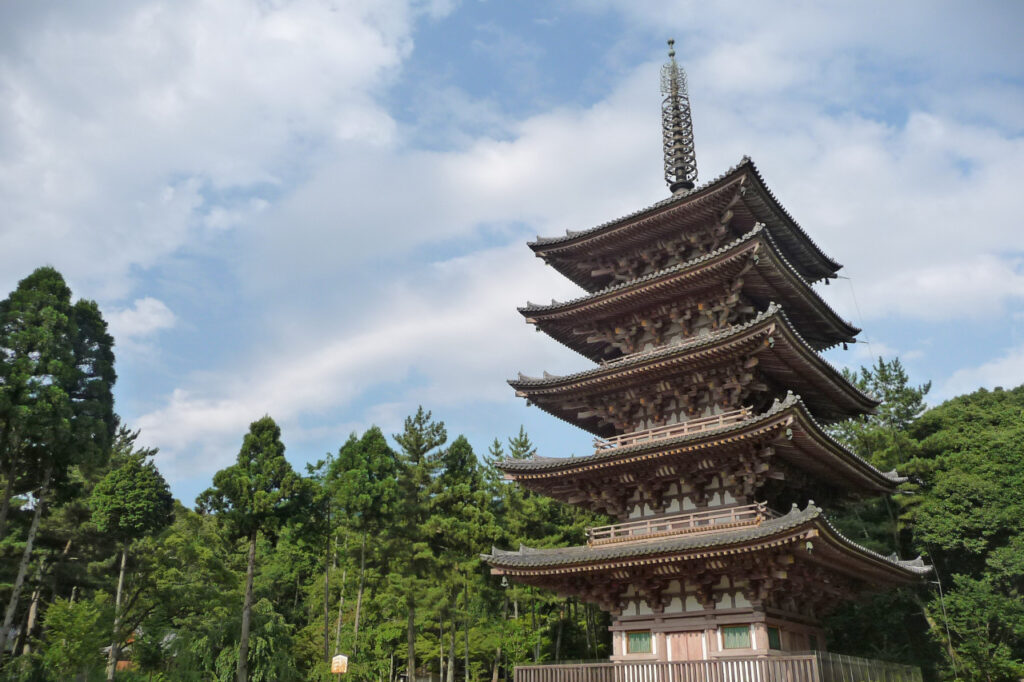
374, 550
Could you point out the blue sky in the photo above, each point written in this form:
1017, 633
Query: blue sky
318, 210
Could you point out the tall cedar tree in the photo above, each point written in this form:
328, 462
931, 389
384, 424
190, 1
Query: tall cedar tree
364, 479
131, 501
256, 494
419, 441
56, 399
460, 526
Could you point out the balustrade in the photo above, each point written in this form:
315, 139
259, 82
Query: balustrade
712, 423
705, 521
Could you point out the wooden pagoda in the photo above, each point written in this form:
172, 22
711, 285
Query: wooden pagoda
708, 403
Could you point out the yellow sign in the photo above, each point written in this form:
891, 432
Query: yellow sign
339, 664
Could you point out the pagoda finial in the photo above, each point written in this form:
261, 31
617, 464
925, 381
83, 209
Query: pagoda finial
677, 126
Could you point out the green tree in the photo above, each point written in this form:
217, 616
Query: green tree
74, 638
254, 495
967, 521
131, 501
364, 480
461, 525
56, 405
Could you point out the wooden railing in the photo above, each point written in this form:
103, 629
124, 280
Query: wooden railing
710, 520
673, 430
810, 667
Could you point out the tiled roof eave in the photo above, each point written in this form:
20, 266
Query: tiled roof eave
775, 418
773, 317
745, 166
699, 267
794, 526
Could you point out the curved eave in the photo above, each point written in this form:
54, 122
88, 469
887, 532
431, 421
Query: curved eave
812, 262
828, 394
808, 447
776, 280
796, 528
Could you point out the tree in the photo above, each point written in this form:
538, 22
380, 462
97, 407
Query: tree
967, 521
460, 526
74, 635
364, 478
131, 501
56, 405
254, 495
418, 441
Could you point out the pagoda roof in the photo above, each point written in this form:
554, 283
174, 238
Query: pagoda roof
667, 217
770, 277
798, 525
782, 353
807, 445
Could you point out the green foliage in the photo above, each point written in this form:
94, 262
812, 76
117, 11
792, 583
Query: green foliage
962, 511
260, 490
74, 634
133, 499
270, 654
56, 381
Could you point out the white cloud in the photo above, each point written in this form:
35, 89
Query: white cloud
1006, 371
145, 317
255, 135
454, 325
126, 132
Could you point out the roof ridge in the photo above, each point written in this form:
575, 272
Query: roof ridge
744, 163
675, 198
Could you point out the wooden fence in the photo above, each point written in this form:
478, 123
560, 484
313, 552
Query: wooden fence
705, 521
810, 667
712, 423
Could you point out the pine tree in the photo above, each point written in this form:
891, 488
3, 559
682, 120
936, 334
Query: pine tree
256, 494
419, 441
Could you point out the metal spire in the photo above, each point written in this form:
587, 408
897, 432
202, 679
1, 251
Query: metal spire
677, 126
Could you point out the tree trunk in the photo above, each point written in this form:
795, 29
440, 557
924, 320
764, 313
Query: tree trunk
26, 556
242, 671
451, 650
501, 641
359, 595
587, 629
533, 625
466, 622
5, 506
327, 597
341, 603
558, 636
33, 612
410, 632
440, 648
116, 638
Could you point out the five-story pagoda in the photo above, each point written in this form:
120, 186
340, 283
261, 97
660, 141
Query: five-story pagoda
708, 404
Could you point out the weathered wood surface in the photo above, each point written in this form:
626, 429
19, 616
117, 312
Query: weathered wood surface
811, 667
713, 423
709, 521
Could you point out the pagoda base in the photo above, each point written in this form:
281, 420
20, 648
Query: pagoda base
712, 634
